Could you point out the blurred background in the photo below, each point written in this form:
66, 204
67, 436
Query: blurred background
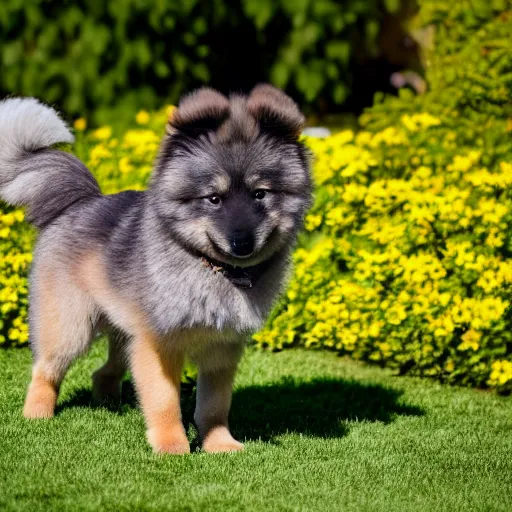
105, 60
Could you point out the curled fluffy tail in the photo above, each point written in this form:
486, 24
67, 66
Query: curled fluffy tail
46, 181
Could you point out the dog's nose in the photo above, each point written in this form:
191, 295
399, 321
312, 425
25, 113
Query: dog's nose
242, 243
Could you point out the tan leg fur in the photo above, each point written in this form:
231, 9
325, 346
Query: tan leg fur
157, 378
61, 331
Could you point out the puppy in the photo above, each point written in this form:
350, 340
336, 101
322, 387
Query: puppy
187, 269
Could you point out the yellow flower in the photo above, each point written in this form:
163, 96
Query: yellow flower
8, 219
423, 172
311, 222
449, 366
396, 314
14, 334
142, 117
80, 124
98, 153
124, 165
374, 330
470, 340
416, 122
103, 133
501, 373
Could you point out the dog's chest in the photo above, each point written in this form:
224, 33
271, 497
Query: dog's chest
211, 302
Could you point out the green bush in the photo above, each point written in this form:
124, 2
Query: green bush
89, 56
408, 259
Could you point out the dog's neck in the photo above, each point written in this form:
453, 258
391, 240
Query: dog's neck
241, 277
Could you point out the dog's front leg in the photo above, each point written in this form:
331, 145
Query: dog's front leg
217, 370
157, 375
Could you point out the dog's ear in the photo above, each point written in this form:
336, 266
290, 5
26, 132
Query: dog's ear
275, 112
202, 111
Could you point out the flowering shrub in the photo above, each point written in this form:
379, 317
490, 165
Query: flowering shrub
15, 250
407, 262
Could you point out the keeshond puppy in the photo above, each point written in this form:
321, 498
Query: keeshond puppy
187, 269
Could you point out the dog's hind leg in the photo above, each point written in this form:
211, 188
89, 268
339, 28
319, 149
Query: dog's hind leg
61, 326
106, 387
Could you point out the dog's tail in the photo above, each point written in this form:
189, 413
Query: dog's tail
46, 181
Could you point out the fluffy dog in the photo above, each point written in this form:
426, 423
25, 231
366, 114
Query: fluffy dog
187, 268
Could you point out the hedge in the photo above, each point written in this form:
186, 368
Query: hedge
405, 260
95, 56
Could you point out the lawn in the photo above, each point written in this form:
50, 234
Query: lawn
322, 433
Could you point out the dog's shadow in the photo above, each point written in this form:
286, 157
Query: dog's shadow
319, 407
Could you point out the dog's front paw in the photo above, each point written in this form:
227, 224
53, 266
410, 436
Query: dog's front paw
38, 409
219, 440
174, 441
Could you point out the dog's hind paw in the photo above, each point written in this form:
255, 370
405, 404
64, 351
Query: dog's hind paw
106, 390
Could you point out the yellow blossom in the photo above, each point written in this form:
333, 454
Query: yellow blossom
103, 133
470, 340
142, 117
80, 124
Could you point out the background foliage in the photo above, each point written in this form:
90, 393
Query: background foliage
91, 55
406, 257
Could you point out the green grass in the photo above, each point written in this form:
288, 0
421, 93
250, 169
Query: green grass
322, 433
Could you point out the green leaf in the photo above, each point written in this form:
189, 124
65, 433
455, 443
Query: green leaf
338, 50
392, 5
162, 69
309, 80
280, 74
260, 11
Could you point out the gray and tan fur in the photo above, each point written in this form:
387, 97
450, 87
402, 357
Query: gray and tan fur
230, 188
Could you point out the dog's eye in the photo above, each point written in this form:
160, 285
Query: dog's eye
259, 194
214, 199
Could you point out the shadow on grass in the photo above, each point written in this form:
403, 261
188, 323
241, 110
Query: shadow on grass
83, 398
317, 408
